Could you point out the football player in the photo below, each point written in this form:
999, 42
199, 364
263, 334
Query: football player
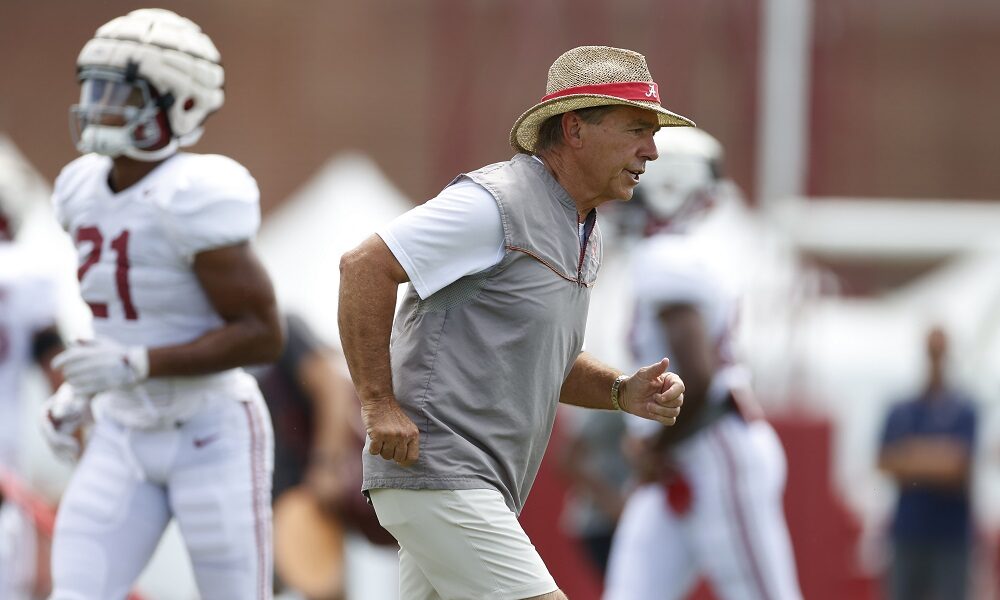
28, 334
180, 303
711, 502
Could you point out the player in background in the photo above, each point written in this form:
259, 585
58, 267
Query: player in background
317, 474
711, 499
180, 303
28, 334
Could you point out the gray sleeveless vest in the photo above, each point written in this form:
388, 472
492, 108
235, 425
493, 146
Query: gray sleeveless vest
478, 365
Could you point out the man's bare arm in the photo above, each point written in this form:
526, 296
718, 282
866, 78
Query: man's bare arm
369, 278
651, 392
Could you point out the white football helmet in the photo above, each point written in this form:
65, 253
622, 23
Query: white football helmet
681, 185
147, 74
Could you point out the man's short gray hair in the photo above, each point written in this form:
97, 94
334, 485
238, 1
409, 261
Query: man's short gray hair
550, 131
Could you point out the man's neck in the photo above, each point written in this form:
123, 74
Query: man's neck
126, 172
568, 174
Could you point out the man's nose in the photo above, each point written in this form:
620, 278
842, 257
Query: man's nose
648, 150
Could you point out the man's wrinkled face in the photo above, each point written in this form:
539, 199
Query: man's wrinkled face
616, 149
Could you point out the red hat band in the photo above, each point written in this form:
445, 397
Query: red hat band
636, 91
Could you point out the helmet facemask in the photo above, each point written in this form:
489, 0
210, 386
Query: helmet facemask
120, 114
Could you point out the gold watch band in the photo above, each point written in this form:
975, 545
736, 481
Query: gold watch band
616, 389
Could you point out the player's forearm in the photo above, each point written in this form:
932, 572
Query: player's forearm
365, 314
241, 293
589, 383
45, 346
248, 341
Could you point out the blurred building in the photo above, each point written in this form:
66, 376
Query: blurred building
896, 97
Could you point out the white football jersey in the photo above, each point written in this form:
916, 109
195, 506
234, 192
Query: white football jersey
681, 269
27, 305
135, 251
670, 268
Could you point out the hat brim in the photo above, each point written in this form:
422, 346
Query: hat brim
524, 133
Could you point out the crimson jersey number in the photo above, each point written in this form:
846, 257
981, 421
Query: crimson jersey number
119, 245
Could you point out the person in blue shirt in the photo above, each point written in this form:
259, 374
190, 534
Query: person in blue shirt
927, 448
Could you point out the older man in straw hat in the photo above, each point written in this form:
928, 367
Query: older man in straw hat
459, 404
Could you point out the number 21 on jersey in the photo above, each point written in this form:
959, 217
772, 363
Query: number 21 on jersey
119, 246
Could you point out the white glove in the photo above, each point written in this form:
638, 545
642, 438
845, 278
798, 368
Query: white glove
63, 414
101, 364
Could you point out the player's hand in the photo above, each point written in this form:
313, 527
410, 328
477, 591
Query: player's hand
101, 364
392, 435
654, 393
63, 416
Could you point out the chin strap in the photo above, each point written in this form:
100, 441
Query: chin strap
191, 138
152, 155
116, 141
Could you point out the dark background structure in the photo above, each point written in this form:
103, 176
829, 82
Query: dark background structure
901, 99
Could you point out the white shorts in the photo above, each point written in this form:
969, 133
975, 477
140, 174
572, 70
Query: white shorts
460, 545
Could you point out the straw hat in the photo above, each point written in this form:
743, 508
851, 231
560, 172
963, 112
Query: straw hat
593, 76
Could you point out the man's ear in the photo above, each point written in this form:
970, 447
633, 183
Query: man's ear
572, 127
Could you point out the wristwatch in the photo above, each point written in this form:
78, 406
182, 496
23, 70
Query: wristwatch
615, 389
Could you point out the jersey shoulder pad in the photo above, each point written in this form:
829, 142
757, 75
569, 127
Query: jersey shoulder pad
215, 203
70, 179
206, 178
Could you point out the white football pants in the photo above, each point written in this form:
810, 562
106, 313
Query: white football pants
212, 473
18, 552
733, 533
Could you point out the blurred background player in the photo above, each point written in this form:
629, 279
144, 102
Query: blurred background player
711, 502
590, 458
179, 303
28, 334
927, 448
317, 474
